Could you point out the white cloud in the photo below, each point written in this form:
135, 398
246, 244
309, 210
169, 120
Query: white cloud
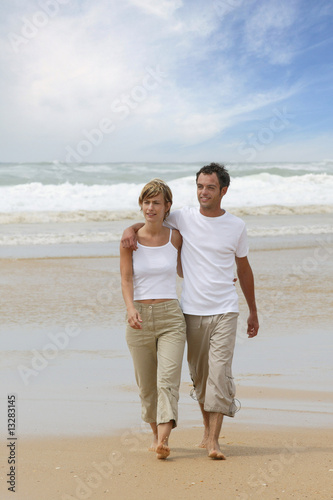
267, 30
163, 8
65, 78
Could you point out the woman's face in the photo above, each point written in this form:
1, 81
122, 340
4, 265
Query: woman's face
154, 208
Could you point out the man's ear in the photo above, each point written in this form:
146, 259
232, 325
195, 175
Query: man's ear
224, 190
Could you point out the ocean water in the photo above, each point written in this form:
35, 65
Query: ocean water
55, 203
54, 209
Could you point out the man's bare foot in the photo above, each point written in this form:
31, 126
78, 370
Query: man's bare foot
215, 453
204, 441
162, 451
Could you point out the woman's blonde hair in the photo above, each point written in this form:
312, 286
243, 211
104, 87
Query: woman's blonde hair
154, 188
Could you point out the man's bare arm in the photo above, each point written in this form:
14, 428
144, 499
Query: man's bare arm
177, 241
129, 239
246, 281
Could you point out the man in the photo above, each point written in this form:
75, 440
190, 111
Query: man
213, 240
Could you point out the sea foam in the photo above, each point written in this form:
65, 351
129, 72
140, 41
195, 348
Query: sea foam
258, 190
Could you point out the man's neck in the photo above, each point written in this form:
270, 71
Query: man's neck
212, 213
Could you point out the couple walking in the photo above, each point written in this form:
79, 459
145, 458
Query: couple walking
202, 245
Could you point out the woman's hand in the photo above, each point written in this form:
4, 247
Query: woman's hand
134, 319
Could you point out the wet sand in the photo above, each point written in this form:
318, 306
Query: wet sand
63, 318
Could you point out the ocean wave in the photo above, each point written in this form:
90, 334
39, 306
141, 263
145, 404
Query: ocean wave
257, 190
87, 235
110, 216
270, 189
56, 238
290, 230
282, 210
75, 216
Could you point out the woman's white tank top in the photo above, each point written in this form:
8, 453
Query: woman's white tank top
154, 272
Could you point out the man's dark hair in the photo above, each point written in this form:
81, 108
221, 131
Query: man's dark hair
220, 170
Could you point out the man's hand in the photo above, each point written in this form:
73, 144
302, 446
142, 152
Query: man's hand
129, 239
252, 325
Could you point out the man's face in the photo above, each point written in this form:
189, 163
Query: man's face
209, 192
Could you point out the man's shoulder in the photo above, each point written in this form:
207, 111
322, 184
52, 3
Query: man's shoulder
187, 208
186, 211
234, 219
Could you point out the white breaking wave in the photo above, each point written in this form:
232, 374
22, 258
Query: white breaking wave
290, 230
267, 189
75, 216
57, 238
106, 216
55, 204
88, 236
258, 190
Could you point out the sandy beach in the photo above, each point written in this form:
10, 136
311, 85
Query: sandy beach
79, 433
227, 103
269, 463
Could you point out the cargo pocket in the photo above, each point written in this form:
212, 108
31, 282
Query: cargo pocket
230, 383
232, 392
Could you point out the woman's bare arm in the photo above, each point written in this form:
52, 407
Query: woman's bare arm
126, 272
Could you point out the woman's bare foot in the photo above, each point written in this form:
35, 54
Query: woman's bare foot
162, 451
163, 433
153, 445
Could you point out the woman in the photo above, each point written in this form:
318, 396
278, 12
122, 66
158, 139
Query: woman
155, 332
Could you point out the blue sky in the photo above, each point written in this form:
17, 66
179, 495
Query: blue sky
167, 80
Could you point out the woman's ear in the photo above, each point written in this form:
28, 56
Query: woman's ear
167, 209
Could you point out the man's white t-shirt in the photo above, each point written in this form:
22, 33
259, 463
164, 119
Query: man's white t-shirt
210, 245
